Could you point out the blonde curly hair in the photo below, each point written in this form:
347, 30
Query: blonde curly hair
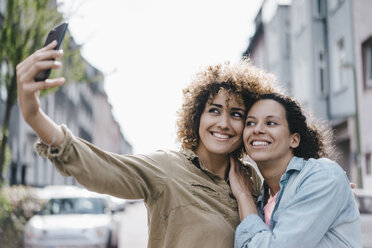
242, 80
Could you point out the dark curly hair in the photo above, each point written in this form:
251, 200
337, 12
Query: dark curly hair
242, 80
315, 139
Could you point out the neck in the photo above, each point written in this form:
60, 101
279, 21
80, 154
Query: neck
272, 172
216, 164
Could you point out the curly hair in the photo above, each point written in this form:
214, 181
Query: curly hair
242, 80
315, 139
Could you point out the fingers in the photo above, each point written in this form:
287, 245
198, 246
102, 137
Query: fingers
353, 185
37, 62
40, 60
41, 54
51, 45
29, 89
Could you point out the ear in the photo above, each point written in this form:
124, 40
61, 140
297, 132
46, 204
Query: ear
295, 140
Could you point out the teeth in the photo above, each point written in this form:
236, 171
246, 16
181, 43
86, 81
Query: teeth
260, 143
220, 136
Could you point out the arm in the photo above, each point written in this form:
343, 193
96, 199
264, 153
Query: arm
134, 177
28, 92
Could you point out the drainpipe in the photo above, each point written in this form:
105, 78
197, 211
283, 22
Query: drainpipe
357, 128
324, 21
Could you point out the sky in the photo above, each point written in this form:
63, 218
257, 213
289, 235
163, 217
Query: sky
149, 51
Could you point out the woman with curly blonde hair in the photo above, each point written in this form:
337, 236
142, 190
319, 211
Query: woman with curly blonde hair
186, 192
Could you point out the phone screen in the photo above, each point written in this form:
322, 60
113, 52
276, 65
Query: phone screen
57, 33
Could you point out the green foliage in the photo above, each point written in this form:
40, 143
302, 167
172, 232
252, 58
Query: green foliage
8, 155
23, 30
17, 205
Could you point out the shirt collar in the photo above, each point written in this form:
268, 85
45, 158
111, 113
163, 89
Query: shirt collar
193, 158
295, 164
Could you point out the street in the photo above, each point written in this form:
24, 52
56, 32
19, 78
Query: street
133, 229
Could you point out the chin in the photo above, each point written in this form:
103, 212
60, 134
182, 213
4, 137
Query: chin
258, 158
221, 151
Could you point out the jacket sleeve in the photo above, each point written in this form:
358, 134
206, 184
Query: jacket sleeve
125, 176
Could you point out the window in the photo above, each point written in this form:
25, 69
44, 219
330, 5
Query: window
78, 205
319, 8
342, 69
299, 16
335, 4
368, 164
322, 73
367, 62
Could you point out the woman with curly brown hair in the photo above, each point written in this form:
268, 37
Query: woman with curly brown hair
186, 192
306, 200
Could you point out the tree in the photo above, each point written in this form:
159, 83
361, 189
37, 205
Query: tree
22, 31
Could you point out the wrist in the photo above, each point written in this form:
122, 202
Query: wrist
34, 118
246, 204
244, 196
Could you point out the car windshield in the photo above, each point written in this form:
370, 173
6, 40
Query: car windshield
74, 206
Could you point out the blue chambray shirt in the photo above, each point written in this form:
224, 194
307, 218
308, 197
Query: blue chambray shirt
315, 207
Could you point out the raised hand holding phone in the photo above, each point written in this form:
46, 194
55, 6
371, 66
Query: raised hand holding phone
57, 33
28, 91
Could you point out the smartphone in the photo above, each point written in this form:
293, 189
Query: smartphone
57, 33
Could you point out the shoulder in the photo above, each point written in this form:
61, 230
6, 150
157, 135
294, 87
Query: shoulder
324, 166
164, 158
324, 171
161, 155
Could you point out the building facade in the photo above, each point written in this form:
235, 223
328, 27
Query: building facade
362, 50
85, 109
321, 53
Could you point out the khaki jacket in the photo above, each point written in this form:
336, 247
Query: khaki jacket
187, 205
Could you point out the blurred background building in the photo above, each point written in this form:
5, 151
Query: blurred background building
81, 104
85, 109
321, 52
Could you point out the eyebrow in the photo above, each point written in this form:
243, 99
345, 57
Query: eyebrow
215, 104
269, 116
220, 106
238, 109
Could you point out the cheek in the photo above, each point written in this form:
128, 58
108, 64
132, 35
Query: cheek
239, 129
246, 134
203, 122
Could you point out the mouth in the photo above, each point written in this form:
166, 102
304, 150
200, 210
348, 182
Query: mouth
260, 143
221, 136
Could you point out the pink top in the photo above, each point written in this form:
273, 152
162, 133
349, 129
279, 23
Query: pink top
269, 208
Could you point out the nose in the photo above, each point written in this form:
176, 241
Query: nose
259, 128
224, 121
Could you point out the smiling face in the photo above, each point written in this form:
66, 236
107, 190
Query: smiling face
221, 125
267, 138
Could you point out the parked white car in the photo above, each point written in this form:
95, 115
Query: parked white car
72, 217
364, 201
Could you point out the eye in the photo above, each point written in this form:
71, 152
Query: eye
250, 123
237, 114
214, 111
271, 123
